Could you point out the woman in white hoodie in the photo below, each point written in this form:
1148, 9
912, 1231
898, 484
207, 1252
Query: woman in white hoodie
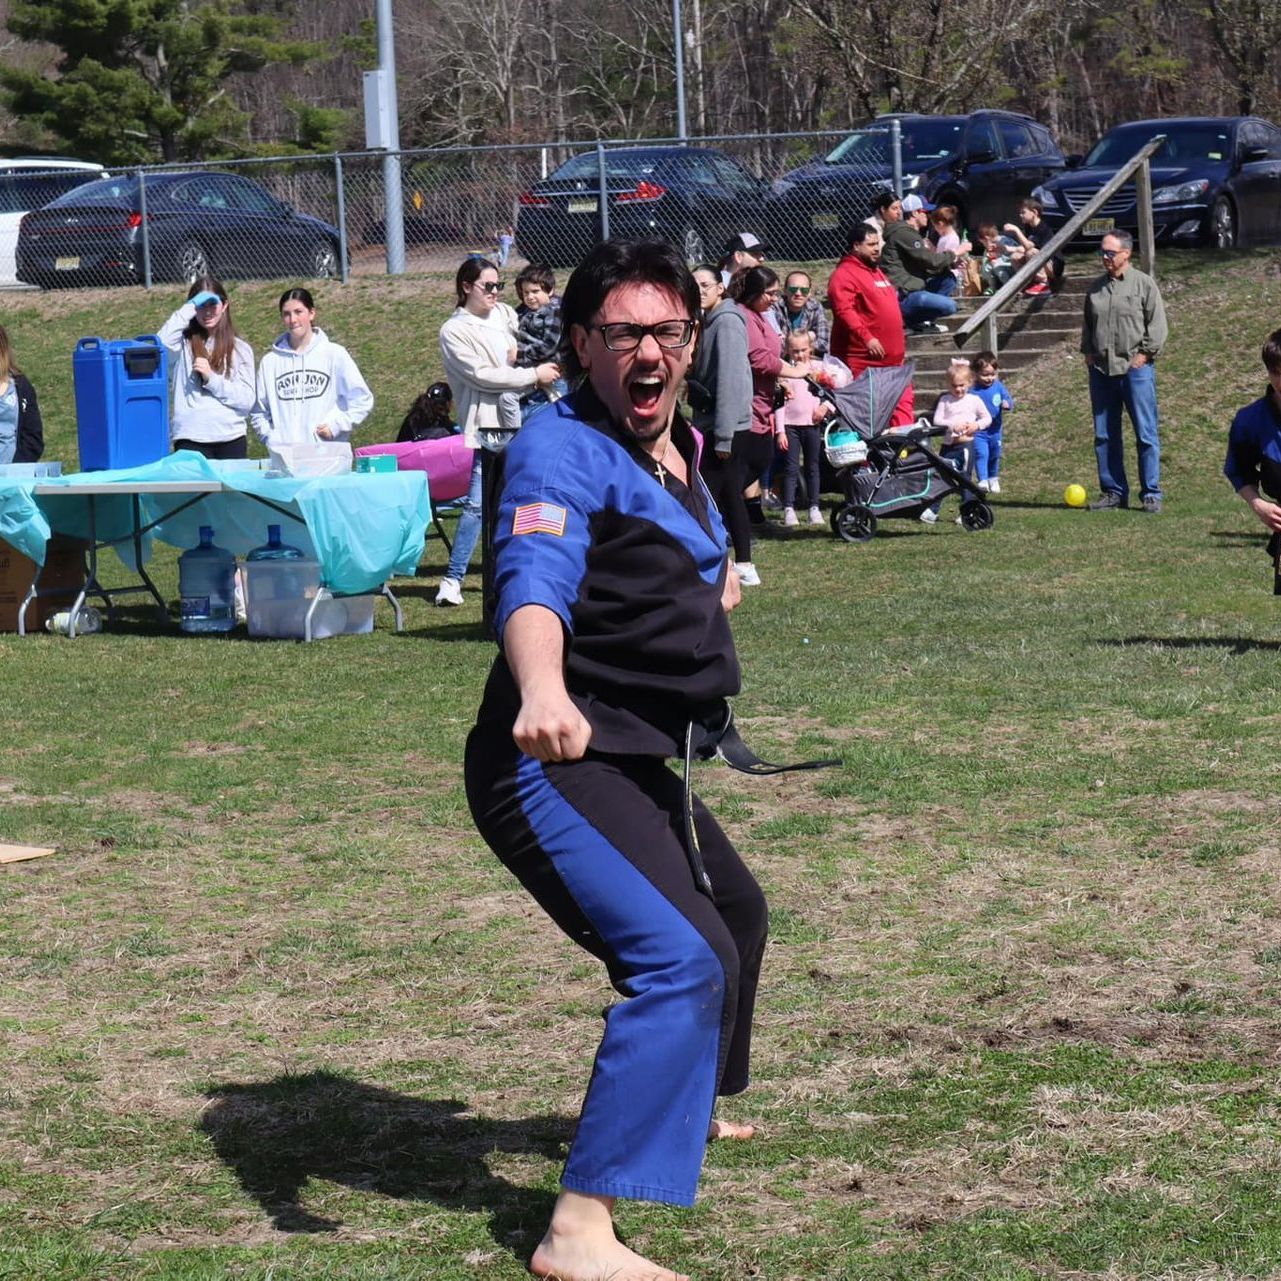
478, 346
213, 374
309, 388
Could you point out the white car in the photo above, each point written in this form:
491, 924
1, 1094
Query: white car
30, 183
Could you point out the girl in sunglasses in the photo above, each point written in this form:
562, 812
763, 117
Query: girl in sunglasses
478, 346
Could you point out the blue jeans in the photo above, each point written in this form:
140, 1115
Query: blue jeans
930, 303
987, 454
1135, 390
468, 533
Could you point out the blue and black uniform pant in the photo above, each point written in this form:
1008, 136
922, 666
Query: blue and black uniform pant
599, 845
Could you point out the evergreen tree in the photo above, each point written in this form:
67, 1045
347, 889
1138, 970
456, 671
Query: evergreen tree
141, 79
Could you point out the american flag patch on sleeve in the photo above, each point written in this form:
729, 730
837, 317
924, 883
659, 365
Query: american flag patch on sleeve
540, 518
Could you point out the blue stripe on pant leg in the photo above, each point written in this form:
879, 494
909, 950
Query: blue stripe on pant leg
643, 1128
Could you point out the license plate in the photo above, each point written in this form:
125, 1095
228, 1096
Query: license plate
826, 222
1099, 227
582, 206
66, 264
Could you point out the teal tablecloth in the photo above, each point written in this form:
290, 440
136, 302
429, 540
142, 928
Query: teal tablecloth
362, 528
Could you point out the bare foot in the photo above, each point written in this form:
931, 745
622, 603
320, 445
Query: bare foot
580, 1245
729, 1130
577, 1261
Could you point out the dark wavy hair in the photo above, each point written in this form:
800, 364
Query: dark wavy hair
747, 286
621, 262
469, 274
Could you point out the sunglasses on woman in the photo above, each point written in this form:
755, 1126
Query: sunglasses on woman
490, 286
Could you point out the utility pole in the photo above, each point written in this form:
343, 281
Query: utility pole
678, 43
382, 131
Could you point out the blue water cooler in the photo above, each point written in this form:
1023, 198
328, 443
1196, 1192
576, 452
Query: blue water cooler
122, 401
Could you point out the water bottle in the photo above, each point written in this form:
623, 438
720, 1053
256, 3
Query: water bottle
207, 586
274, 549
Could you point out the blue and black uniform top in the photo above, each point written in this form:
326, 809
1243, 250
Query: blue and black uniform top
1254, 447
631, 560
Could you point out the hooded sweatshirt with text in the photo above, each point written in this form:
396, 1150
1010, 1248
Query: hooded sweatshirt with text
300, 390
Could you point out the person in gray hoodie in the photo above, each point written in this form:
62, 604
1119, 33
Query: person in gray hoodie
213, 374
309, 388
719, 389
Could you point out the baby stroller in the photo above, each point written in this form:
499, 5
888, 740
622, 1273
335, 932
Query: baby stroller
889, 473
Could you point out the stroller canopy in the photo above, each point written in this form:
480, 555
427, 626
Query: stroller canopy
866, 404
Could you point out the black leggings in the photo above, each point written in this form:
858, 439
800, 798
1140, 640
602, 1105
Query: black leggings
217, 449
749, 456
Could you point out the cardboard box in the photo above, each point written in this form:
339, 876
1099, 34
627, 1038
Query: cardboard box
64, 569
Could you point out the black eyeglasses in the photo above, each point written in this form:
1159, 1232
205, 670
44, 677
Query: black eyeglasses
798, 289
621, 336
1109, 254
491, 286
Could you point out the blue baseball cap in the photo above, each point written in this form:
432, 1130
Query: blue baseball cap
914, 202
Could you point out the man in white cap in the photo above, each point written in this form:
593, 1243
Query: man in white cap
922, 277
745, 250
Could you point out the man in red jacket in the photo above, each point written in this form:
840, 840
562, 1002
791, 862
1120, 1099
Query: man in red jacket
867, 323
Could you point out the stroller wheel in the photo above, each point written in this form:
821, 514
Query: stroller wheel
854, 523
976, 515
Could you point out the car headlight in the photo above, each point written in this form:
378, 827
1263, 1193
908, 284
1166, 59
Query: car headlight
1181, 194
781, 186
1047, 197
911, 181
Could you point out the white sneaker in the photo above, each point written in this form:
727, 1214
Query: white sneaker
789, 517
747, 575
929, 516
816, 517
994, 486
984, 485
450, 592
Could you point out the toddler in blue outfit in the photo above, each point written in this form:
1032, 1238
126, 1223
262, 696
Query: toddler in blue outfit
996, 397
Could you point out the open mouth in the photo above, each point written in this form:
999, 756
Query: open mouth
645, 392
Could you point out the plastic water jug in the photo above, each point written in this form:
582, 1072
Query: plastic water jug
281, 583
207, 586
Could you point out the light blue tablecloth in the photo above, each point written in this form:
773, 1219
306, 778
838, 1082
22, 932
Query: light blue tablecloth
362, 528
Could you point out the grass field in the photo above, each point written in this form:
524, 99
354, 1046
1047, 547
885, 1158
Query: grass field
273, 1011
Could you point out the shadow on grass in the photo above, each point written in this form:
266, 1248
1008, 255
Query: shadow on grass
1237, 644
278, 1135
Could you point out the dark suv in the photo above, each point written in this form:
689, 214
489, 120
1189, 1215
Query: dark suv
1215, 180
983, 163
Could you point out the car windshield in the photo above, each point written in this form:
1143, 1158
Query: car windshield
923, 141
107, 191
1183, 144
586, 167
25, 189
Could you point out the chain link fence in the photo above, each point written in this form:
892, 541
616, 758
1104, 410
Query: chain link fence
302, 218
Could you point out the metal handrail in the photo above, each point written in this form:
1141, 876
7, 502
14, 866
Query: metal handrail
986, 315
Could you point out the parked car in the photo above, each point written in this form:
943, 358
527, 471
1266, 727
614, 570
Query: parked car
26, 183
1215, 180
197, 224
983, 163
694, 197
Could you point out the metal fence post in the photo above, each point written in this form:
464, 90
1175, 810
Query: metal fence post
146, 234
1147, 233
342, 220
603, 187
896, 155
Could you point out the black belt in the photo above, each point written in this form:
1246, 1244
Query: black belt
706, 738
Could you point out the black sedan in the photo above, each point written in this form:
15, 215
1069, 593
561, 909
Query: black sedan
983, 163
695, 198
1215, 180
197, 224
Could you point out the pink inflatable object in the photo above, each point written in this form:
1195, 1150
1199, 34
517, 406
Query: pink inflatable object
447, 463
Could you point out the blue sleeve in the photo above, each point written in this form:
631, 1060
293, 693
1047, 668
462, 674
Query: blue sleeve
543, 531
1241, 466
1006, 394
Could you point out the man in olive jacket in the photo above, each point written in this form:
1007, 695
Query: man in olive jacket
922, 277
1121, 338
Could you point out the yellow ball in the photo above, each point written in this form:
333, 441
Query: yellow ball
1075, 495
